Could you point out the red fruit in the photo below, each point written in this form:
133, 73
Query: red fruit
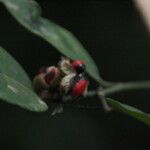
46, 81
52, 75
79, 87
78, 66
76, 63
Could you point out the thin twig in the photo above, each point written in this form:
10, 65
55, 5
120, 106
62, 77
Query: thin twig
90, 93
119, 87
106, 84
105, 105
127, 87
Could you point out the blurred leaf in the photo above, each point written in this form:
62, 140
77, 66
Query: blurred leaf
28, 13
10, 67
14, 92
134, 112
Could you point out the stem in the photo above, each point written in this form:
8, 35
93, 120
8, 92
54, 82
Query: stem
106, 83
105, 105
90, 93
118, 87
126, 87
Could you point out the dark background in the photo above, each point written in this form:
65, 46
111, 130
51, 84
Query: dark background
117, 39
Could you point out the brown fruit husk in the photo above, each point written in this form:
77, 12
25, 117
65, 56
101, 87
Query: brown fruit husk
39, 83
65, 83
65, 66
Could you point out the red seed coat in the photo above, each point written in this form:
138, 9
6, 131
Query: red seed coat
50, 76
76, 63
79, 88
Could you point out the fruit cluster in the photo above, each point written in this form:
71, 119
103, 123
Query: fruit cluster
68, 78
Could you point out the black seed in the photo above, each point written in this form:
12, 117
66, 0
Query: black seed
81, 68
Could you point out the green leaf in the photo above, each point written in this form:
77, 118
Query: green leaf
10, 67
134, 112
28, 13
14, 92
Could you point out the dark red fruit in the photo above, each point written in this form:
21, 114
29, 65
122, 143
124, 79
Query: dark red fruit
50, 76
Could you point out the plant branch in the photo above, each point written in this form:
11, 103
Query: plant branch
118, 87
126, 87
102, 97
106, 84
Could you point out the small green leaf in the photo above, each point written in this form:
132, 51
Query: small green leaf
10, 67
14, 92
134, 112
28, 13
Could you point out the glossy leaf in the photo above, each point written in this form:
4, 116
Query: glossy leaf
129, 110
14, 92
10, 67
28, 13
